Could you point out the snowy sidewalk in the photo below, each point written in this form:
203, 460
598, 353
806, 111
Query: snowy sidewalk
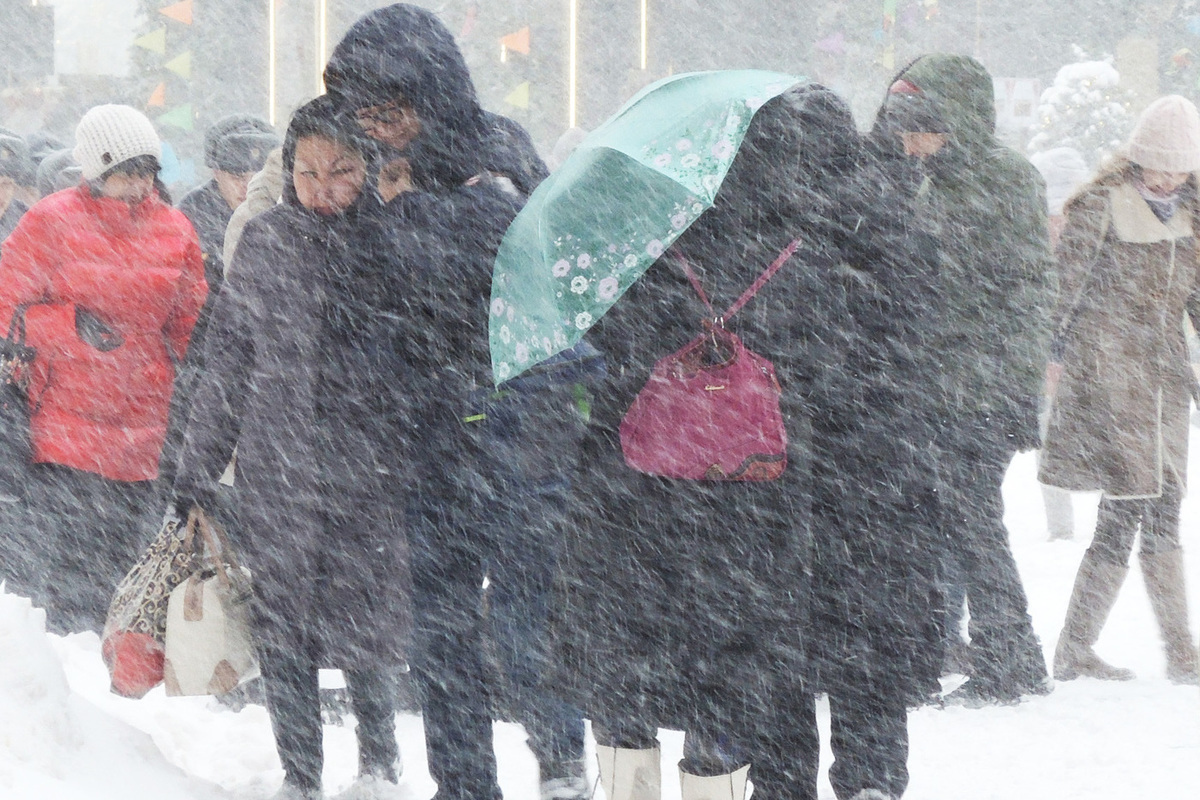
63, 736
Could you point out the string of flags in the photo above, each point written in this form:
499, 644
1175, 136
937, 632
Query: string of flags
179, 63
517, 42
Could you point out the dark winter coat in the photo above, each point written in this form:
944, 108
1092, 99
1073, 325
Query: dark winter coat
682, 595
209, 214
877, 550
138, 272
441, 240
293, 379
986, 204
1119, 421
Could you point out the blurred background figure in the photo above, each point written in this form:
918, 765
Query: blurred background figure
56, 172
16, 170
1064, 170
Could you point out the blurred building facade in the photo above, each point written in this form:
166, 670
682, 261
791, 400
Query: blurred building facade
552, 64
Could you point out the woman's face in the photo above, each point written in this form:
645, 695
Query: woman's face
1161, 182
127, 187
328, 175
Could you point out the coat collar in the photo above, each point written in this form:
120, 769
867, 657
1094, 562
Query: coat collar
1134, 222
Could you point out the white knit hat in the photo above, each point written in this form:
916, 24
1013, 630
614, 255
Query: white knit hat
109, 135
1167, 136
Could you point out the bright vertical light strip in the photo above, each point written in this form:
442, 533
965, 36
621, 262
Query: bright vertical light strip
271, 61
322, 42
572, 62
645, 44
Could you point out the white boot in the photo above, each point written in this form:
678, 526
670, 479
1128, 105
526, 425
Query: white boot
731, 786
628, 774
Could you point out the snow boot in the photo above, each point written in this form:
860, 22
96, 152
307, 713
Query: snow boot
628, 774
1096, 587
1163, 573
731, 786
564, 780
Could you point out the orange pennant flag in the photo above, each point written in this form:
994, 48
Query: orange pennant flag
158, 98
180, 12
518, 41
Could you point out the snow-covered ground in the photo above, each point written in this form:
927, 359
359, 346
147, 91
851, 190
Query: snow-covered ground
63, 736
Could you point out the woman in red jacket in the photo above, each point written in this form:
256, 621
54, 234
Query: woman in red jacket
111, 280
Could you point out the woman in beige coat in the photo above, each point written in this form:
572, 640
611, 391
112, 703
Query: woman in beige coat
1119, 421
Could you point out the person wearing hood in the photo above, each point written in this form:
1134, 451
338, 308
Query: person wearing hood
400, 72
1123, 384
986, 206
111, 282
721, 607
293, 380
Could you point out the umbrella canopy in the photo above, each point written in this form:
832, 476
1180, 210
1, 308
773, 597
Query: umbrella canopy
627, 192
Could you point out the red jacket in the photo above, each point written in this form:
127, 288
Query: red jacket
139, 270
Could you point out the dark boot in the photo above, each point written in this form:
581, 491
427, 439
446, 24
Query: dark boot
1096, 587
1163, 573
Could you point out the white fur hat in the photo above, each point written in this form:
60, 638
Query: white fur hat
1167, 136
111, 134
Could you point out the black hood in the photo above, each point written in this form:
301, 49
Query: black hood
323, 117
405, 52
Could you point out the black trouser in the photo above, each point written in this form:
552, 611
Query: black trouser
869, 739
448, 571
83, 533
766, 721
290, 678
1006, 656
1118, 521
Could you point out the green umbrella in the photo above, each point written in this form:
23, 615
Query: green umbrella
627, 192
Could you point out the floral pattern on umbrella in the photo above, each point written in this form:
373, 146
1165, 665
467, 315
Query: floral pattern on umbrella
629, 190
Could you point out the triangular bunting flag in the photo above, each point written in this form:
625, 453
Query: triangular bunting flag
180, 117
158, 98
469, 24
181, 65
155, 41
519, 97
518, 41
180, 12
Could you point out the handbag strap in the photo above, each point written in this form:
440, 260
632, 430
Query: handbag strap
16, 327
747, 295
215, 538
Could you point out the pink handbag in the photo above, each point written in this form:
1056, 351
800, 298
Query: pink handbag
710, 411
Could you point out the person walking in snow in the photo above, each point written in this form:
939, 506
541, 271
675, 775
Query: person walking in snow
294, 379
995, 291
400, 72
1119, 421
111, 282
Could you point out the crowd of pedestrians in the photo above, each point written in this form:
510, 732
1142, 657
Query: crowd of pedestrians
301, 349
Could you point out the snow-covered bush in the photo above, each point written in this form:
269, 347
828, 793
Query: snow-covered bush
1085, 109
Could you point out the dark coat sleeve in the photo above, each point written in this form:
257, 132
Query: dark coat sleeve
229, 355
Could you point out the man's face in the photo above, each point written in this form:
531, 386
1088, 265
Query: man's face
922, 145
232, 186
395, 123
